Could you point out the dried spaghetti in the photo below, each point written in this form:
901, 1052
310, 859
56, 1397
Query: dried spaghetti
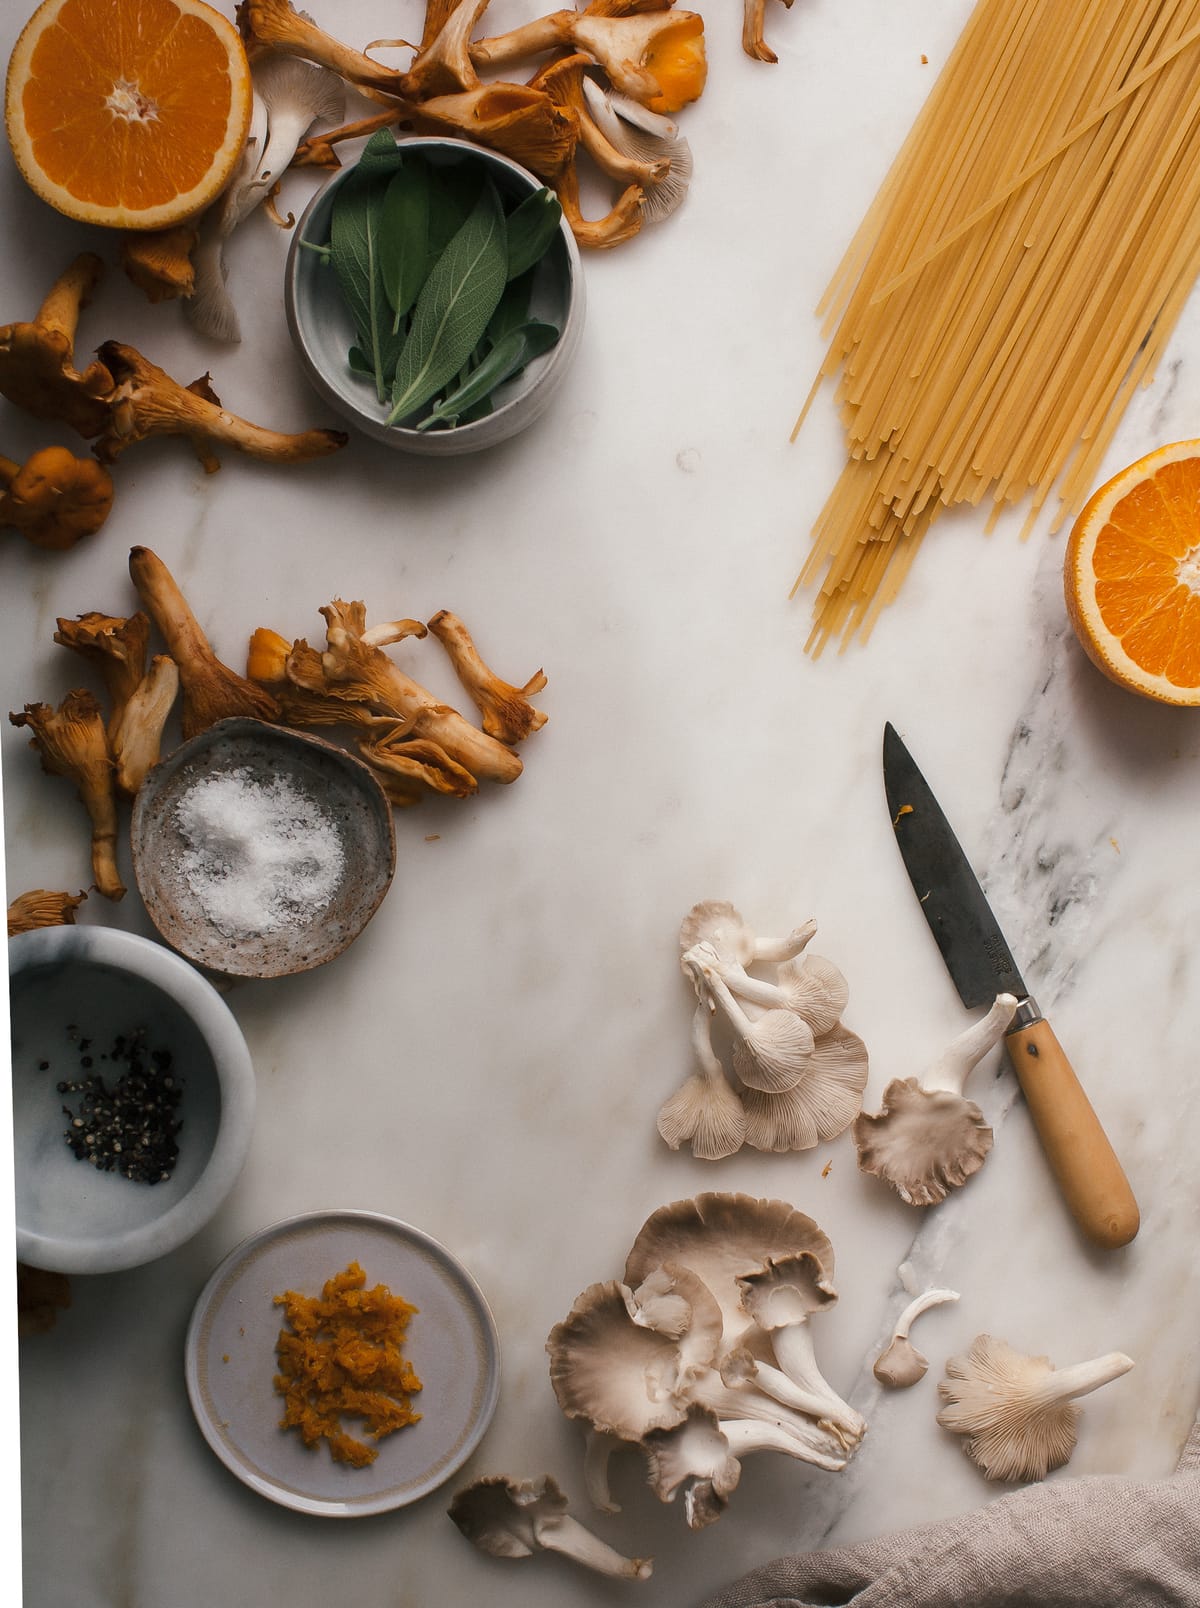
1014, 281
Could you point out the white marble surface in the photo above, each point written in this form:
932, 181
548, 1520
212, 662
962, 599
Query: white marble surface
486, 1062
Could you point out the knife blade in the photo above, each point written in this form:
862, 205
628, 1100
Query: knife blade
981, 966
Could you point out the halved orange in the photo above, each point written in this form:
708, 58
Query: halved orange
1132, 575
128, 113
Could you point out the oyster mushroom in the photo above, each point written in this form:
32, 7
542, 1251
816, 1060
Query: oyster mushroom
781, 1297
717, 923
772, 1051
511, 1518
807, 983
620, 1377
638, 147
1017, 1412
72, 743
42, 908
928, 1138
211, 690
704, 1111
821, 1105
900, 1364
54, 498
721, 1238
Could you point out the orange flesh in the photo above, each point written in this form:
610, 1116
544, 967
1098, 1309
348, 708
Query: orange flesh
1147, 568
131, 104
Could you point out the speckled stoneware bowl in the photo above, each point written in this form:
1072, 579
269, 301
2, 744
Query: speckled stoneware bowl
348, 798
323, 330
74, 992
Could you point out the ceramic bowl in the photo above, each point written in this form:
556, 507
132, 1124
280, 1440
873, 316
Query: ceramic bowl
323, 330
179, 896
74, 992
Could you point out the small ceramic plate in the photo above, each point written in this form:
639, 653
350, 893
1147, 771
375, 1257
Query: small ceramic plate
230, 1362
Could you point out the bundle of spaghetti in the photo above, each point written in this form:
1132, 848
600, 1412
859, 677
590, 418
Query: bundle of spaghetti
1015, 280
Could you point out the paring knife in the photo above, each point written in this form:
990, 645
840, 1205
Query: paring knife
981, 966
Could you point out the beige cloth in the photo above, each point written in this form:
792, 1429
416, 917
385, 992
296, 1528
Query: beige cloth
1095, 1542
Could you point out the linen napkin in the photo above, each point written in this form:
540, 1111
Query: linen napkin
1102, 1541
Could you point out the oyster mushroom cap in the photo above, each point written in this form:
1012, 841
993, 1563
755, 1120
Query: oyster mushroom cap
922, 1142
773, 1050
721, 1238
717, 922
1017, 1412
620, 1377
820, 1106
705, 1109
515, 1518
695, 1454
786, 1291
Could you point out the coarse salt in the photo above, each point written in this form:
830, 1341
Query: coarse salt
260, 854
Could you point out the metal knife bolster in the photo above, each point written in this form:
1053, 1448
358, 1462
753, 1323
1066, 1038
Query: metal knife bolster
1026, 1014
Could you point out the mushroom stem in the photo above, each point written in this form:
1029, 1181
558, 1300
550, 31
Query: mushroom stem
211, 690
562, 1533
317, 150
796, 1355
59, 313
508, 715
914, 1309
1066, 1384
704, 1109
598, 1448
275, 25
949, 1072
806, 1439
136, 737
786, 948
148, 402
747, 1435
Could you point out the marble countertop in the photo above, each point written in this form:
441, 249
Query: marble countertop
487, 1061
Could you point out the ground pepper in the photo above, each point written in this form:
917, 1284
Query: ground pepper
129, 1126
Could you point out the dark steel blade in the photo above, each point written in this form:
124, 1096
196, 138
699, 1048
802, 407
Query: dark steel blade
972, 945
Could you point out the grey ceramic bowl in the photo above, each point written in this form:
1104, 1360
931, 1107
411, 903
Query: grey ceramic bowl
323, 330
348, 797
71, 984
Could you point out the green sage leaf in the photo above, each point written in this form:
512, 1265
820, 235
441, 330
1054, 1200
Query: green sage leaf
454, 307
404, 237
531, 228
512, 309
354, 252
453, 192
381, 154
505, 359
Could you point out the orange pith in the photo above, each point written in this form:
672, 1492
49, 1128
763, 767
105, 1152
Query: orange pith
127, 113
1132, 575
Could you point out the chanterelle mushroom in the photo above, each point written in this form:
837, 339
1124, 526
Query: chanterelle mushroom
72, 743
42, 908
928, 1138
1017, 1412
511, 1518
37, 360
211, 690
54, 498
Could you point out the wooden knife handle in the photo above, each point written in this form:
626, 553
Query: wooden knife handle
1088, 1172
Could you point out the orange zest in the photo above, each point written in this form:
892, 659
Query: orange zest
1132, 576
128, 113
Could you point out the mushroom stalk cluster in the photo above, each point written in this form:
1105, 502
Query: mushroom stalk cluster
702, 1353
797, 1074
413, 741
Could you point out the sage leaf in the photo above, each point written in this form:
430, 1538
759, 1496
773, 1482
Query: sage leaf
453, 192
531, 228
404, 237
381, 154
512, 309
454, 306
354, 252
509, 355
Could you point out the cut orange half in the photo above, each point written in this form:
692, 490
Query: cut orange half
1132, 575
128, 113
